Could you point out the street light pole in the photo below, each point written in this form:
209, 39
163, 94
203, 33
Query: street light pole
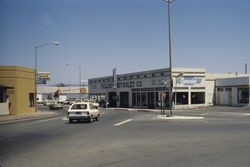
170, 58
36, 47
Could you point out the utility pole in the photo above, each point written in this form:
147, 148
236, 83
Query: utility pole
170, 58
245, 68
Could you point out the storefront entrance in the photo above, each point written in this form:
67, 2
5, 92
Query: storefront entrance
151, 100
124, 99
112, 99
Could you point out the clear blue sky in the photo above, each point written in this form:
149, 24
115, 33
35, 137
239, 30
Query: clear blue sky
131, 35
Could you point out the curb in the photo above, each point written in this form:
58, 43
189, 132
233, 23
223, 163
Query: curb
135, 109
12, 119
179, 117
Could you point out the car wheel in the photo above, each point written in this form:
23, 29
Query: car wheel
90, 119
70, 121
97, 118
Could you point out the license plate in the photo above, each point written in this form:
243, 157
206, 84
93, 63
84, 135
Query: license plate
78, 114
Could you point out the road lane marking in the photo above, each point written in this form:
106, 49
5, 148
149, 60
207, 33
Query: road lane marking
178, 117
51, 119
123, 122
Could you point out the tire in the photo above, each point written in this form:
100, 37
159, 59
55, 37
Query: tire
90, 119
97, 118
70, 120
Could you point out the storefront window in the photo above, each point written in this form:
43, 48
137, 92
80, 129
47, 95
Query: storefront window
220, 89
144, 98
243, 95
134, 99
138, 99
151, 100
197, 97
181, 98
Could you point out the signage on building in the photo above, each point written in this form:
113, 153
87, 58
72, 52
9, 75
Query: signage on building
127, 84
189, 81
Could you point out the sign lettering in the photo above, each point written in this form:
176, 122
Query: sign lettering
128, 84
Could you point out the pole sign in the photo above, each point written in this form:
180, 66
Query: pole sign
41, 81
83, 90
43, 76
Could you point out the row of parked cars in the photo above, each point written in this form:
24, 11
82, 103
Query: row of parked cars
56, 105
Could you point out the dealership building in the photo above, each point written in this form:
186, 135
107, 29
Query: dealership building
233, 91
192, 87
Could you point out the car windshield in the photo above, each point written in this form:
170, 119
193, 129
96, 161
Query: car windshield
79, 106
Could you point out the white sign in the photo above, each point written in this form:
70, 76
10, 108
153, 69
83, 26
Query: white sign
189, 81
43, 75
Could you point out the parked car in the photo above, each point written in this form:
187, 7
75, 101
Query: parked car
94, 102
55, 106
47, 102
83, 111
102, 103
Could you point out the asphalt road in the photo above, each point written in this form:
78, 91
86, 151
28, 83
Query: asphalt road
129, 138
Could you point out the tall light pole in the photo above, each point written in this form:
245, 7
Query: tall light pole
36, 47
80, 74
170, 58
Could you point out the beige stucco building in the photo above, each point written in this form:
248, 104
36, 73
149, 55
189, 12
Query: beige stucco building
17, 90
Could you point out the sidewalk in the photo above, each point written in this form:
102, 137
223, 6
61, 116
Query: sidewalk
135, 109
239, 109
23, 117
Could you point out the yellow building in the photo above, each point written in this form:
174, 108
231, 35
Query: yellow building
17, 90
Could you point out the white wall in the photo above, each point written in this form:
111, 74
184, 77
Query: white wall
210, 92
232, 81
234, 96
4, 108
